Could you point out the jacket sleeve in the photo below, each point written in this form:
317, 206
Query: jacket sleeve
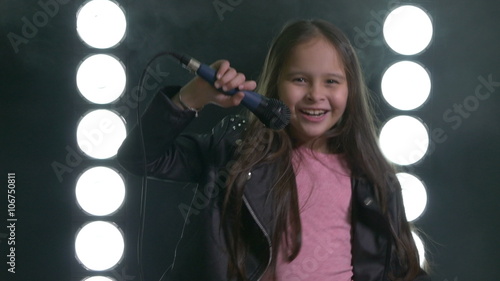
168, 152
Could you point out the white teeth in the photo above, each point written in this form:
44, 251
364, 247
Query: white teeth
314, 112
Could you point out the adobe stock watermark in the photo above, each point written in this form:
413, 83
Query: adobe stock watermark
455, 116
91, 140
373, 28
437, 136
11, 221
97, 136
48, 10
223, 6
470, 104
153, 80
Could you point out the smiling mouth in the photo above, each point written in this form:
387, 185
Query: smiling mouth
315, 113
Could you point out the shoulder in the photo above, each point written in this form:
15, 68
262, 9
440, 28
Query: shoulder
229, 130
231, 123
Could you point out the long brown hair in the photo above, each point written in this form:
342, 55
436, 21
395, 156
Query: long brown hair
354, 135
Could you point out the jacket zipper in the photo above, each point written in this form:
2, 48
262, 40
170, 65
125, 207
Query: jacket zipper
265, 234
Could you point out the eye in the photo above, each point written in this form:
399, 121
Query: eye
332, 81
299, 79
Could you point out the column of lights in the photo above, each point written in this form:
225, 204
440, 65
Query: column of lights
406, 86
100, 190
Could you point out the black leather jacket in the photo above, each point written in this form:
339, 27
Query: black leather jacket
204, 159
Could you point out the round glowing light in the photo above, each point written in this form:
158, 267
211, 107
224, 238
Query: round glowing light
101, 23
101, 79
99, 245
98, 278
100, 133
100, 191
406, 85
408, 30
414, 195
420, 248
404, 140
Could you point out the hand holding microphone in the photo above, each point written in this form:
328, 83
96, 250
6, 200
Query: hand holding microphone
273, 113
198, 92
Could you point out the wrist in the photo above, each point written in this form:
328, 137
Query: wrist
186, 105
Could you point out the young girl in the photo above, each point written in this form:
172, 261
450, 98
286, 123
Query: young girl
314, 201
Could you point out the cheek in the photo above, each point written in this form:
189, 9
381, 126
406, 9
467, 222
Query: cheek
340, 100
286, 95
343, 102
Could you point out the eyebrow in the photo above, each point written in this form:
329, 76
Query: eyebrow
337, 75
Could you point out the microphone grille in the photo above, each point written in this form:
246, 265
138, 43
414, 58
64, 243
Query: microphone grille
273, 113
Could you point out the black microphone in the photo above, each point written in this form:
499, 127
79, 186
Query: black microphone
273, 113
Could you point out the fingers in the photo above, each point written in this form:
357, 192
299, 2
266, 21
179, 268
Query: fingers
228, 78
235, 99
246, 86
249, 85
222, 66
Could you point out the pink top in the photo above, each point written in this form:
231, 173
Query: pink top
324, 192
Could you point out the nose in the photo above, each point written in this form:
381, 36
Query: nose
316, 92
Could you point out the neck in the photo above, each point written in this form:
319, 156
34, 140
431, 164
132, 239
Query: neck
317, 145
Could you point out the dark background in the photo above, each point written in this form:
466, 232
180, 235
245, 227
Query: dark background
40, 108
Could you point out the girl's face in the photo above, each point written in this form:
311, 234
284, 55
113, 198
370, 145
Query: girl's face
313, 85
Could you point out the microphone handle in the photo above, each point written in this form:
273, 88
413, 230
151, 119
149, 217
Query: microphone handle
273, 113
251, 100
